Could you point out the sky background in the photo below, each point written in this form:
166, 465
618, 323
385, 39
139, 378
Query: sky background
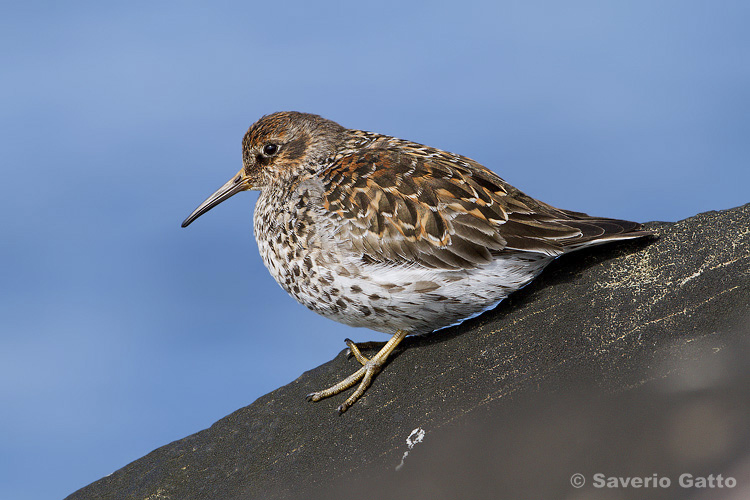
121, 332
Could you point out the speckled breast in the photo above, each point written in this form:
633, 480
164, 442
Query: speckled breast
299, 252
300, 249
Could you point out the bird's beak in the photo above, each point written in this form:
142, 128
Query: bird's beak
239, 182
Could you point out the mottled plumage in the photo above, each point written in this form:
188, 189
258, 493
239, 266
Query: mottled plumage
379, 232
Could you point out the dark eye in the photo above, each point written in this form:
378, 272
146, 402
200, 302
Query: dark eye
270, 149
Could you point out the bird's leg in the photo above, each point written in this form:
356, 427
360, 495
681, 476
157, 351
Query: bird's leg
370, 367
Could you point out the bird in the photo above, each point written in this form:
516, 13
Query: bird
379, 232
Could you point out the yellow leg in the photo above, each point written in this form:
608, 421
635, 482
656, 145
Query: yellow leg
370, 367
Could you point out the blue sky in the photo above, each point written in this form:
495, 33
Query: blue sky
121, 332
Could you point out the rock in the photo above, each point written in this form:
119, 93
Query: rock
628, 360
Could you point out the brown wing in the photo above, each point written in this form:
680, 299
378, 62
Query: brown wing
445, 211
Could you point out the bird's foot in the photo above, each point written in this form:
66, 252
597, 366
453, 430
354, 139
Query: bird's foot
370, 367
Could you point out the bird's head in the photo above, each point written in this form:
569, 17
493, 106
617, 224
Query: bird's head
277, 148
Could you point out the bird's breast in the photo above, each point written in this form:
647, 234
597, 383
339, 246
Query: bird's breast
299, 250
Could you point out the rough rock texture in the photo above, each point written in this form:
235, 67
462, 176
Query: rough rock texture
627, 360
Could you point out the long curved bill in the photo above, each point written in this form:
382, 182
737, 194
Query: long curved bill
238, 183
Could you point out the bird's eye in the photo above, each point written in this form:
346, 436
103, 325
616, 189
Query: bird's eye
270, 149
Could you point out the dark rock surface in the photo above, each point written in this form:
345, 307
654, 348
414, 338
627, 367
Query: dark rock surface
626, 360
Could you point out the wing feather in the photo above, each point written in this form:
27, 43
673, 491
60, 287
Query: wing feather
411, 203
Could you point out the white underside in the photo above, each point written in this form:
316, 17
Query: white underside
461, 294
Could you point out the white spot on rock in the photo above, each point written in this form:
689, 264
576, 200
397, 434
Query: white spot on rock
416, 436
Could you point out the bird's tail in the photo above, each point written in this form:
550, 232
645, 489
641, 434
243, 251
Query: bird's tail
598, 230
